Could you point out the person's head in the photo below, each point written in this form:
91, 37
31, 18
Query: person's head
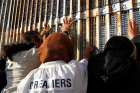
112, 68
32, 37
56, 46
119, 57
120, 44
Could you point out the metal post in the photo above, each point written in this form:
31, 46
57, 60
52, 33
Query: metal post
107, 18
64, 8
70, 8
11, 29
35, 14
31, 12
1, 10
50, 21
18, 21
87, 23
40, 21
119, 23
79, 28
46, 11
26, 19
8, 25
22, 16
3, 29
15, 18
57, 18
97, 30
107, 27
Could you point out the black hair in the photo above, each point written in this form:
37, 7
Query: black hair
119, 43
111, 69
32, 37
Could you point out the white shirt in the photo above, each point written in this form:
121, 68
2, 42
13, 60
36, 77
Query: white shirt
56, 77
23, 62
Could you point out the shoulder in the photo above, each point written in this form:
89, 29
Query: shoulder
30, 75
26, 81
81, 62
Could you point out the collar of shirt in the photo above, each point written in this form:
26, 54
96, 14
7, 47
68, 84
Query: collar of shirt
52, 63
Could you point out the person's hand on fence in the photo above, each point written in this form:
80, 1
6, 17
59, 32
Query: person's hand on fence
46, 27
67, 23
46, 31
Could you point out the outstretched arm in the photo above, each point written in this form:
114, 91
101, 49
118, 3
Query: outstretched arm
132, 29
135, 37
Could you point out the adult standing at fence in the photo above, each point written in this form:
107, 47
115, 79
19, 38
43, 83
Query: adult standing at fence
59, 73
22, 59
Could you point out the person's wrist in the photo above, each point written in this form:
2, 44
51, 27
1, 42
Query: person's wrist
65, 29
66, 32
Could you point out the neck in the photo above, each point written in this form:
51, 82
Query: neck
55, 58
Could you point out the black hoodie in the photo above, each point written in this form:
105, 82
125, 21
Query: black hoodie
114, 70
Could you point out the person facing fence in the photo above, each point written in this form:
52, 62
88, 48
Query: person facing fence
115, 70
59, 73
22, 58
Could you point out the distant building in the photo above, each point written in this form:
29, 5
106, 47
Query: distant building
95, 20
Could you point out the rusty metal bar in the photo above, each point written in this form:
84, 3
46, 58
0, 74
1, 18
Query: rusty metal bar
31, 12
15, 18
21, 25
3, 22
11, 29
26, 19
8, 24
18, 21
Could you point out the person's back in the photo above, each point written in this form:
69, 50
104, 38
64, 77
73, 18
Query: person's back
23, 62
55, 77
118, 70
58, 73
23, 58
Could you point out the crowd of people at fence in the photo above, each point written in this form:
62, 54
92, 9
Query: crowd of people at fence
44, 63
